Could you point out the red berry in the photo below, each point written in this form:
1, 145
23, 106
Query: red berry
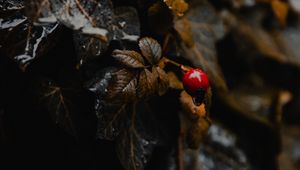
195, 80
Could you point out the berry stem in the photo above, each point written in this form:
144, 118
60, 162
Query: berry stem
182, 67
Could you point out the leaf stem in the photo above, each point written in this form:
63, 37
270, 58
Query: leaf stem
182, 67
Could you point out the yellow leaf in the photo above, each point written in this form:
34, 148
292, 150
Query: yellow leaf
280, 10
178, 6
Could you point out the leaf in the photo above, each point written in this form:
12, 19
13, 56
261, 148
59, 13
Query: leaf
178, 6
162, 80
147, 84
11, 5
124, 26
130, 59
222, 148
21, 40
114, 89
280, 10
59, 106
136, 143
150, 49
122, 86
175, 83
75, 14
195, 121
96, 23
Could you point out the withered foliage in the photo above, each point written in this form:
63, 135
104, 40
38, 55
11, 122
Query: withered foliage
100, 71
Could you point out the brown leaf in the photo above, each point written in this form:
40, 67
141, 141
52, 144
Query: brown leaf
162, 80
128, 58
123, 86
178, 6
147, 84
188, 106
197, 132
151, 50
175, 83
195, 121
280, 10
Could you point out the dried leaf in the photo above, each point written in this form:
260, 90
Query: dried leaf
280, 10
131, 59
162, 80
123, 83
175, 83
195, 121
178, 6
193, 112
151, 50
147, 83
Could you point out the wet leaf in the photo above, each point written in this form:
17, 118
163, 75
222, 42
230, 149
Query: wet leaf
59, 106
77, 15
124, 26
11, 5
114, 89
221, 150
24, 42
178, 6
150, 49
135, 144
130, 59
